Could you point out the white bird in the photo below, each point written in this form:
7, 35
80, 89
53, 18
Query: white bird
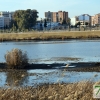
67, 65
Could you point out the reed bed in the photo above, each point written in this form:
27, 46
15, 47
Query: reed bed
70, 91
49, 35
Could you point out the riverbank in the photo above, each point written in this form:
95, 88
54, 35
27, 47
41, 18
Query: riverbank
82, 90
78, 67
70, 91
63, 35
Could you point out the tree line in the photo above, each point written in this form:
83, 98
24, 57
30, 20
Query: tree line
22, 20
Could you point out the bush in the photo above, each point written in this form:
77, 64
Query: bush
16, 59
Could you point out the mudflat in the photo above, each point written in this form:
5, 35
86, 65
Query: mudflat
80, 66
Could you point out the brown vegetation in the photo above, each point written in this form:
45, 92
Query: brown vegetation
49, 35
72, 91
16, 58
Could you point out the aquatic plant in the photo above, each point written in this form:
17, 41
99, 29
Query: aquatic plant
16, 59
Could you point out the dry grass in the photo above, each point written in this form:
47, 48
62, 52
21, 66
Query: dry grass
49, 35
72, 91
16, 58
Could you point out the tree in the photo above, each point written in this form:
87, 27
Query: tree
78, 24
14, 28
60, 20
64, 22
6, 27
97, 26
41, 27
86, 23
25, 19
45, 23
47, 19
68, 23
13, 23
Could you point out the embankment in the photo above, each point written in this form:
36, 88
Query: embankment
62, 35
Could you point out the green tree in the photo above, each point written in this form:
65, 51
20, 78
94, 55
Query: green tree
41, 27
25, 19
64, 22
45, 24
68, 23
6, 27
78, 24
86, 23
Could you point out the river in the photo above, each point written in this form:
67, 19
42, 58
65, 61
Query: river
51, 52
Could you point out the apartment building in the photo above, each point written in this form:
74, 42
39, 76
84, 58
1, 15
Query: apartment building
95, 19
83, 19
62, 15
7, 21
49, 15
4, 21
92, 21
59, 16
74, 20
1, 22
5, 18
3, 13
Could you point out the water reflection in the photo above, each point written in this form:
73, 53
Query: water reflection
44, 51
16, 77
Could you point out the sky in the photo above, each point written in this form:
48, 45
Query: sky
73, 7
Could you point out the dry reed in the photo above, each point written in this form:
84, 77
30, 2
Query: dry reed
72, 91
16, 58
49, 35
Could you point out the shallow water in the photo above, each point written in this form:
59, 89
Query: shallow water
50, 51
37, 77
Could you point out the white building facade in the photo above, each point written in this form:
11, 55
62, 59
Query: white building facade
73, 21
5, 18
83, 19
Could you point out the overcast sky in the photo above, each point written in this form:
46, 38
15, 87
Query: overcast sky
74, 7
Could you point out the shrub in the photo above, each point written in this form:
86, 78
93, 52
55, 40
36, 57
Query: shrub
16, 59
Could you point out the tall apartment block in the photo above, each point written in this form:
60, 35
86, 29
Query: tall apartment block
5, 18
59, 16
95, 19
